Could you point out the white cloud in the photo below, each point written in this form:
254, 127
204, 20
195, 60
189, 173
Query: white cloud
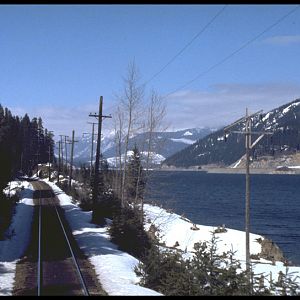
283, 40
224, 103
61, 119
220, 105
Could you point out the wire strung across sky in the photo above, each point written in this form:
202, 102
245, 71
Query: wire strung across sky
188, 44
234, 52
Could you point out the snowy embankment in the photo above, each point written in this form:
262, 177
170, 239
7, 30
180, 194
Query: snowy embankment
115, 268
174, 229
18, 233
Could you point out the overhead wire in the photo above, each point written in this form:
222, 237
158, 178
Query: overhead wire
188, 44
234, 52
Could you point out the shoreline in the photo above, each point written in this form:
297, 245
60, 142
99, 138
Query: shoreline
224, 170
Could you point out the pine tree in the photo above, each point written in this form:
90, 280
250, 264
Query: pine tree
135, 183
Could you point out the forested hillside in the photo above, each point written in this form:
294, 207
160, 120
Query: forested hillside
23, 144
283, 122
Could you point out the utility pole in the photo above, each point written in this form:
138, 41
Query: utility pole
247, 208
248, 146
72, 152
37, 162
61, 149
97, 162
92, 150
49, 169
66, 153
58, 169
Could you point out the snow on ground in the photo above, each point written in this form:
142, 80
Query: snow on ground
174, 228
13, 248
183, 140
290, 106
187, 133
114, 268
236, 164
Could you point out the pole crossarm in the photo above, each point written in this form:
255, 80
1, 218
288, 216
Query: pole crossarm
88, 133
70, 142
97, 115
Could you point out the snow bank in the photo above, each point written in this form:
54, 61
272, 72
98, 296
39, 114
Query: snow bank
174, 229
114, 268
13, 248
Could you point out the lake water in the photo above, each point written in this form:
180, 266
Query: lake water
216, 199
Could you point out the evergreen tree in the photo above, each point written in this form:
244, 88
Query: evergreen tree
135, 183
20, 142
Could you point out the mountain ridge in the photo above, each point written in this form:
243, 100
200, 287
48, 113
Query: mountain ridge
212, 149
164, 144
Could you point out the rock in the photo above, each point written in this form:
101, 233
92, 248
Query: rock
270, 251
176, 244
194, 227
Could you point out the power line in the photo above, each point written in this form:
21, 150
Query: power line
234, 52
188, 44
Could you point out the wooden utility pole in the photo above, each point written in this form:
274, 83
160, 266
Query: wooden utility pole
66, 153
49, 168
72, 153
92, 150
97, 162
247, 208
37, 162
62, 153
58, 169
248, 146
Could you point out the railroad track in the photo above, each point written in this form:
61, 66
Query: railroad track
58, 271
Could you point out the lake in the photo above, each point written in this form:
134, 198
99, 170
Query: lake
216, 199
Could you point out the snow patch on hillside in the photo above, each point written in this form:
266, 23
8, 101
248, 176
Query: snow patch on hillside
187, 133
183, 140
290, 106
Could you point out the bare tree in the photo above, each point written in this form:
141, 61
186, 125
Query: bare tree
119, 136
155, 123
130, 106
132, 117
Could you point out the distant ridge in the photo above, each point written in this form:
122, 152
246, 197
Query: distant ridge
212, 149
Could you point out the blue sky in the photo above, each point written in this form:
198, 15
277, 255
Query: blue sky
56, 60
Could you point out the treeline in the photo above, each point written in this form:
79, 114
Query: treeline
23, 144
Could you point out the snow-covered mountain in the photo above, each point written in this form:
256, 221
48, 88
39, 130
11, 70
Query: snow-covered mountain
284, 121
83, 147
165, 144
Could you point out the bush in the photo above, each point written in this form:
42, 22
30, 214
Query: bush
127, 231
206, 273
106, 207
7, 208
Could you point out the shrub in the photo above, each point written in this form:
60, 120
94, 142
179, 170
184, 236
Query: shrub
205, 273
127, 231
7, 208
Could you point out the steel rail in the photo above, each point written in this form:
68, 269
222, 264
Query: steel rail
39, 274
85, 290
